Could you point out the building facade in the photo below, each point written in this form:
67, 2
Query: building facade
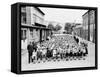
78, 30
89, 26
32, 26
85, 26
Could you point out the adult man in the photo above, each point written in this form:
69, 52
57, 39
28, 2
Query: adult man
76, 39
30, 51
34, 46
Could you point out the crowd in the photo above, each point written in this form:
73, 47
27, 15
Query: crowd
59, 47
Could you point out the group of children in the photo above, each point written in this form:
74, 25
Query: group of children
56, 49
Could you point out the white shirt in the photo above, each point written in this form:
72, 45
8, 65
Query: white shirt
34, 54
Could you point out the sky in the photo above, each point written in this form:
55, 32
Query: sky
63, 15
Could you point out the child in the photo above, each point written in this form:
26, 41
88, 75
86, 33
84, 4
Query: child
54, 53
44, 51
83, 51
34, 55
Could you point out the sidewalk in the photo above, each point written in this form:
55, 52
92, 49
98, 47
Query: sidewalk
24, 51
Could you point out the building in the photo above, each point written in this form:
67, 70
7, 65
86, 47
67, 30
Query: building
72, 28
89, 26
32, 26
78, 30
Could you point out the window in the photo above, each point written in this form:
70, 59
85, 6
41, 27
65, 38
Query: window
23, 18
37, 19
31, 32
34, 18
23, 34
23, 15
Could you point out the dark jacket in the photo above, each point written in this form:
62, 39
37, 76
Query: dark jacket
76, 39
34, 46
30, 48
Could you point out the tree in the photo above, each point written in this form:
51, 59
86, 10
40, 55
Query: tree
51, 26
57, 27
68, 28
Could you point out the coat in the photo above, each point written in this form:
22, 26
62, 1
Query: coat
30, 49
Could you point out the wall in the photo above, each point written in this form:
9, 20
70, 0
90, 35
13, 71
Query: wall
92, 26
39, 17
89, 25
5, 39
85, 26
33, 15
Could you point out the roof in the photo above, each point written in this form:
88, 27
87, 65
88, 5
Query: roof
33, 26
40, 10
40, 25
86, 12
